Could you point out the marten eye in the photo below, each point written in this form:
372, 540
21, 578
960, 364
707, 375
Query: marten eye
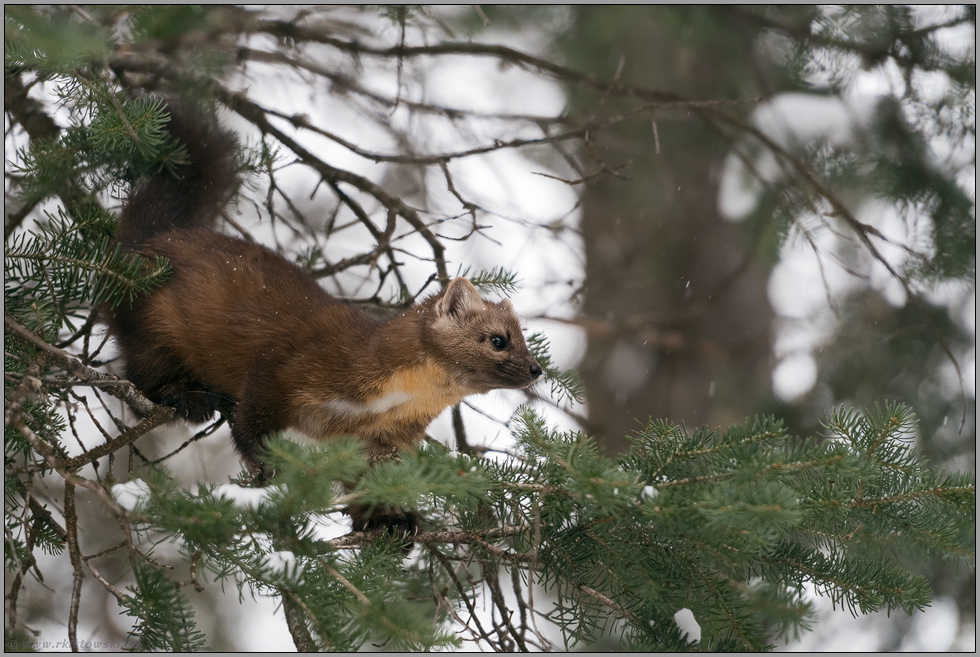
499, 342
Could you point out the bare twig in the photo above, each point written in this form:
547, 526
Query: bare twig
441, 558
490, 575
116, 593
257, 115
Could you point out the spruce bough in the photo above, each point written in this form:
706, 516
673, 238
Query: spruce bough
729, 524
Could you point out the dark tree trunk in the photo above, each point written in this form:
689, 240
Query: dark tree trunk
678, 319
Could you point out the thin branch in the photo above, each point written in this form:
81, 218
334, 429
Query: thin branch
357, 539
609, 602
363, 599
257, 115
203, 433
118, 388
482, 633
283, 29
119, 595
294, 609
74, 553
161, 415
490, 573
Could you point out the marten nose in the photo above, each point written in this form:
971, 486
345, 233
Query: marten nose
535, 370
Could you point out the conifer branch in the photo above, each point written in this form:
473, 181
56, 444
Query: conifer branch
30, 115
359, 539
159, 416
122, 390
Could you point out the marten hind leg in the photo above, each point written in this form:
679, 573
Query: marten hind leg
398, 522
161, 377
254, 419
193, 400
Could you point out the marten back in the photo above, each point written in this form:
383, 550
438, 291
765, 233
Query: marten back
198, 192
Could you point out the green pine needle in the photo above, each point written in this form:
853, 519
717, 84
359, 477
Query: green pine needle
65, 267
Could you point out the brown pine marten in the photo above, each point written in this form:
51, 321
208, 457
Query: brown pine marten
239, 329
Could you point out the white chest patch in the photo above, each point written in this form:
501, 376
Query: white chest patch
380, 405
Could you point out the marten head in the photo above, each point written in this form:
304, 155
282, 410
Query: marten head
480, 342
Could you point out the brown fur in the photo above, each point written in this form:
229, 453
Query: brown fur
240, 329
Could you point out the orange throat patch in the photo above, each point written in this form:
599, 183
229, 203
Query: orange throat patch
408, 397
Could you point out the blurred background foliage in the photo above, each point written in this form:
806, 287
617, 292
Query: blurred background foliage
664, 261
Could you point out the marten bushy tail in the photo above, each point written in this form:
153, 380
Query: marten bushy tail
196, 194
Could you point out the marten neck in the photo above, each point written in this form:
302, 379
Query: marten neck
397, 353
386, 377
397, 341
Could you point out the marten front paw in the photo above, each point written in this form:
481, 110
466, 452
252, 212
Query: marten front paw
402, 523
259, 474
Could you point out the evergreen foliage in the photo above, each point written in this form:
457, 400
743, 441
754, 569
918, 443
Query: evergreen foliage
164, 616
732, 525
58, 272
565, 384
124, 138
497, 279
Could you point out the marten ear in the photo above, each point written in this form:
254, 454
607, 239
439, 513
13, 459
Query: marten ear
459, 300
